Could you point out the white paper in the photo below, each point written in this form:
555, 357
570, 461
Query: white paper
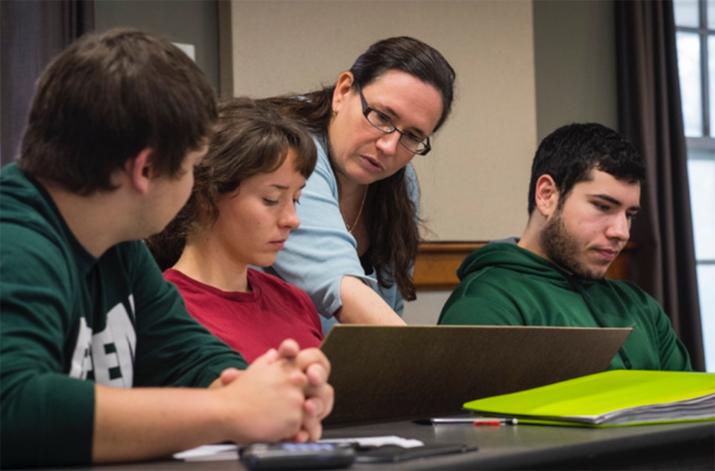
189, 50
377, 441
209, 453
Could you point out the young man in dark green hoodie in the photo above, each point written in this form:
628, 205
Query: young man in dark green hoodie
89, 329
584, 192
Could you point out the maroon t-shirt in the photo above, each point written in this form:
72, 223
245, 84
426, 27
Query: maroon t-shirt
251, 323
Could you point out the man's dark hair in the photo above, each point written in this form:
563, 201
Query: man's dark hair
104, 99
570, 153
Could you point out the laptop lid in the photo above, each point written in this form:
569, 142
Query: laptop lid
397, 373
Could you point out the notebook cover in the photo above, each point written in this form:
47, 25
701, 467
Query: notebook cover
590, 400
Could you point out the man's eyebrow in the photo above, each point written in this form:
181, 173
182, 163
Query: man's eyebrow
614, 201
607, 198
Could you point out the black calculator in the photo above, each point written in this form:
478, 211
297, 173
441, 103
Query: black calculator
297, 455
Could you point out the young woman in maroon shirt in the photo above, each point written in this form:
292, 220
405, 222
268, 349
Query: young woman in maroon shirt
240, 213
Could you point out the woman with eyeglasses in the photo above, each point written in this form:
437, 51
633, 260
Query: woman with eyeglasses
357, 242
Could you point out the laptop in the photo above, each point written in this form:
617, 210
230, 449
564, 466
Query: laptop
385, 373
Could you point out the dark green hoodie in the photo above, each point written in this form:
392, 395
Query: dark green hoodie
503, 284
69, 321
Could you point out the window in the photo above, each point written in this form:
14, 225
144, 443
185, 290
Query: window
695, 36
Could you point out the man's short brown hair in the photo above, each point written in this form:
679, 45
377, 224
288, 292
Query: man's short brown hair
104, 99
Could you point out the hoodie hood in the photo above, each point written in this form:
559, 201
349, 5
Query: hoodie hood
513, 258
25, 203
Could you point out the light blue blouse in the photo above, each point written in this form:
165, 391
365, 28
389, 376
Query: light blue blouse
321, 251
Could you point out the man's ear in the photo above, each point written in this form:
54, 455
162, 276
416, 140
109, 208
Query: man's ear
546, 195
342, 88
139, 170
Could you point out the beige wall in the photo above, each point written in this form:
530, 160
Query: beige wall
474, 181
575, 75
521, 67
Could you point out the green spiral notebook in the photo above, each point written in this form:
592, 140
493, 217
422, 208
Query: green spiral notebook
610, 399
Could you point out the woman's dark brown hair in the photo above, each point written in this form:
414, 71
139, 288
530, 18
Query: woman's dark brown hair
391, 216
248, 139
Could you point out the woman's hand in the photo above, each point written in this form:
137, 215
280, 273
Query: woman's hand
362, 305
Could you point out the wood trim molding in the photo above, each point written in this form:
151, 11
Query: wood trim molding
437, 262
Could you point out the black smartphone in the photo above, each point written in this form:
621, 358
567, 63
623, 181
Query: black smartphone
297, 455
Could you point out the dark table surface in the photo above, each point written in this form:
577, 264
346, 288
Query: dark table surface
674, 446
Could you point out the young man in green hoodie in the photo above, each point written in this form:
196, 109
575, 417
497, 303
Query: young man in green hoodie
584, 192
88, 327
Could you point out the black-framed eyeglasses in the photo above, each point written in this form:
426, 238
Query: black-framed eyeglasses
380, 121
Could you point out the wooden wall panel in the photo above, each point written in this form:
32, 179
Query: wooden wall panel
437, 263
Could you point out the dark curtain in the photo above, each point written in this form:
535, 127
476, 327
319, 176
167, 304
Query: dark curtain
33, 31
649, 112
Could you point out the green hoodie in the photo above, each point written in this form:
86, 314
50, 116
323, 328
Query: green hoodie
69, 321
503, 284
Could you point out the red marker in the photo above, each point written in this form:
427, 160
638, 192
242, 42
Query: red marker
496, 422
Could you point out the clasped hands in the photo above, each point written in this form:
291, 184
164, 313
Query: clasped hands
284, 394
